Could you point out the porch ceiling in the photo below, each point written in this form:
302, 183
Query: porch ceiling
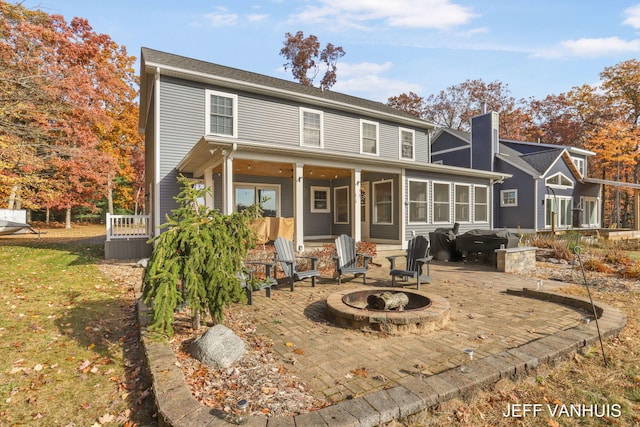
259, 168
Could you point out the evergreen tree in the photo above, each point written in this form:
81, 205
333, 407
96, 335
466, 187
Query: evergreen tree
197, 260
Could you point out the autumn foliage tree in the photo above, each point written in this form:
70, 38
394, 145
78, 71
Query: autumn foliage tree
303, 56
455, 106
63, 87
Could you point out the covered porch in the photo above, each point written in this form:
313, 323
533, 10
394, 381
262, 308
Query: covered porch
311, 196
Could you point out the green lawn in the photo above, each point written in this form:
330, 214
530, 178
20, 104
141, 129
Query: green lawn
68, 340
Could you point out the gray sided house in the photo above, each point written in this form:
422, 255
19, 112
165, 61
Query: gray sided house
548, 188
320, 162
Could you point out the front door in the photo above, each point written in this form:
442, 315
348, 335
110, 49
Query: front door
364, 210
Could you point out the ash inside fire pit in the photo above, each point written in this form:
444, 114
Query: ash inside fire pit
388, 310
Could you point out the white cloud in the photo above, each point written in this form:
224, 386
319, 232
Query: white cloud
440, 14
600, 47
221, 18
257, 18
591, 48
632, 16
366, 81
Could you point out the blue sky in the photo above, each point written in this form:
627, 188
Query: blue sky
537, 48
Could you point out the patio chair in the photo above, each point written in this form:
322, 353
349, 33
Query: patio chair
250, 285
416, 256
286, 257
348, 261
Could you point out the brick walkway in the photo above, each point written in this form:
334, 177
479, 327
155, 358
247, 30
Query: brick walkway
338, 363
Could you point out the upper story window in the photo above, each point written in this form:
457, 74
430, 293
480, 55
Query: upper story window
369, 137
311, 134
580, 165
222, 114
407, 143
559, 180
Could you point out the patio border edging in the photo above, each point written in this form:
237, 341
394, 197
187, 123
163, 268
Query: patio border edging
178, 408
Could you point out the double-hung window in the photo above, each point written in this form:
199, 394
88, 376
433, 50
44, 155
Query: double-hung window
383, 202
369, 137
311, 134
441, 202
221, 114
463, 202
407, 143
480, 203
320, 199
418, 201
341, 205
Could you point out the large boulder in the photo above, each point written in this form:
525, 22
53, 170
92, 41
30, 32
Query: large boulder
218, 347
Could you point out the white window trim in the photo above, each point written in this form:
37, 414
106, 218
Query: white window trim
557, 185
374, 201
508, 205
377, 125
207, 130
426, 202
455, 202
335, 210
548, 197
309, 110
486, 188
413, 148
433, 194
596, 201
580, 164
312, 191
256, 186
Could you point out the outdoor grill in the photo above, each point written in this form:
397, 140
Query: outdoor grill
485, 242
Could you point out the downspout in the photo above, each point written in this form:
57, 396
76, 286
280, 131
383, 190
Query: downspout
156, 155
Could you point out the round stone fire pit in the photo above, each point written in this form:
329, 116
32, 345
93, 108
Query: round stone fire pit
423, 312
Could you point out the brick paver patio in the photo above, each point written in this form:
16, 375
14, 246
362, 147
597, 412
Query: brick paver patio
338, 363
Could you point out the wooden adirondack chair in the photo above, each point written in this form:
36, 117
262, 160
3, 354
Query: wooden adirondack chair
417, 255
346, 259
286, 257
265, 283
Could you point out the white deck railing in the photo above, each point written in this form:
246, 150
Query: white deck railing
128, 227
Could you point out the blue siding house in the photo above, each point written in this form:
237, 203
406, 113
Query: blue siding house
547, 187
326, 163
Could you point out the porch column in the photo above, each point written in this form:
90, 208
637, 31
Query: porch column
298, 206
208, 183
227, 183
403, 209
356, 180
